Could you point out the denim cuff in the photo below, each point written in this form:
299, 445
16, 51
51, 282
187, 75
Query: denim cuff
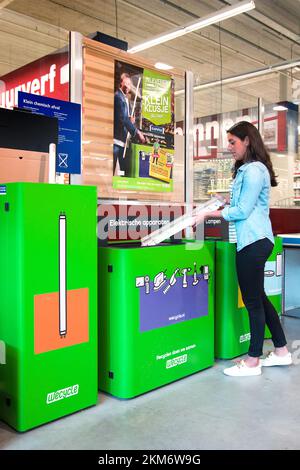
225, 213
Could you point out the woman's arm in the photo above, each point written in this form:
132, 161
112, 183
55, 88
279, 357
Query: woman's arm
252, 185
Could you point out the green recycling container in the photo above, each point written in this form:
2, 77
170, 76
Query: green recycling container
156, 315
48, 302
232, 330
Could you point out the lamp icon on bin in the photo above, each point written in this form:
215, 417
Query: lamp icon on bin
205, 271
62, 275
172, 281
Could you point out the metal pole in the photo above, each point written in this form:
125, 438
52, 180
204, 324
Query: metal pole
76, 74
188, 145
261, 115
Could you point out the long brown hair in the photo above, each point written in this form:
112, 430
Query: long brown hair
256, 150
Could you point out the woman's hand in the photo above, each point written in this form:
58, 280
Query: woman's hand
199, 218
225, 199
217, 213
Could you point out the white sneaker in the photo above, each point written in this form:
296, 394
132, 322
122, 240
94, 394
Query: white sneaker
273, 359
242, 370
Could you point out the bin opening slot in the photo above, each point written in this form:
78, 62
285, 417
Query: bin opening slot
181, 223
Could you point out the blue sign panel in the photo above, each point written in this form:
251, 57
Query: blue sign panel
68, 152
165, 302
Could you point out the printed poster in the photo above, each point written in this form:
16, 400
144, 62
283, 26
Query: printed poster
143, 147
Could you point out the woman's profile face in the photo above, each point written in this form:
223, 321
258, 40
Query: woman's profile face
237, 146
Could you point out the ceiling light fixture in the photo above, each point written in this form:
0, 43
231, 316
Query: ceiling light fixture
162, 66
221, 15
237, 78
279, 107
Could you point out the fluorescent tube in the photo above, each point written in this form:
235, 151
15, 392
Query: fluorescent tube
223, 14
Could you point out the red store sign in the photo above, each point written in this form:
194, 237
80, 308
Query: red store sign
48, 76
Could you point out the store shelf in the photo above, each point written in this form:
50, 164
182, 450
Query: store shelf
211, 191
296, 186
210, 176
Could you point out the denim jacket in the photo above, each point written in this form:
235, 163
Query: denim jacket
249, 206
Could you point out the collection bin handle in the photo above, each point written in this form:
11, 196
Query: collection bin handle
2, 352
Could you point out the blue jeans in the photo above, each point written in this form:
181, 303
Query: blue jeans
250, 266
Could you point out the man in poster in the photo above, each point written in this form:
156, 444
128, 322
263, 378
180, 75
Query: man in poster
123, 124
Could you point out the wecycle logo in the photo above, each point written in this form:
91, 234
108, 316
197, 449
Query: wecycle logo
245, 337
176, 361
63, 393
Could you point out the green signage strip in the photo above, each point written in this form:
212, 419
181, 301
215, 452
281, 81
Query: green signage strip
143, 184
156, 97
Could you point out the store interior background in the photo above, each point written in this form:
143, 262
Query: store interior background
247, 43
237, 46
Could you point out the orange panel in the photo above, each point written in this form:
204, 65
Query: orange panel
46, 320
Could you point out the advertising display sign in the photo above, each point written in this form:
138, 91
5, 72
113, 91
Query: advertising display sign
143, 129
68, 154
169, 299
48, 76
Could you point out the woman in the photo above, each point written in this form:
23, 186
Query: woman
248, 216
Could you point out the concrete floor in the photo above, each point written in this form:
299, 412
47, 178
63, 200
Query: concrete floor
205, 411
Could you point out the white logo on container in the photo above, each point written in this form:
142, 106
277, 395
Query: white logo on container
176, 361
63, 393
